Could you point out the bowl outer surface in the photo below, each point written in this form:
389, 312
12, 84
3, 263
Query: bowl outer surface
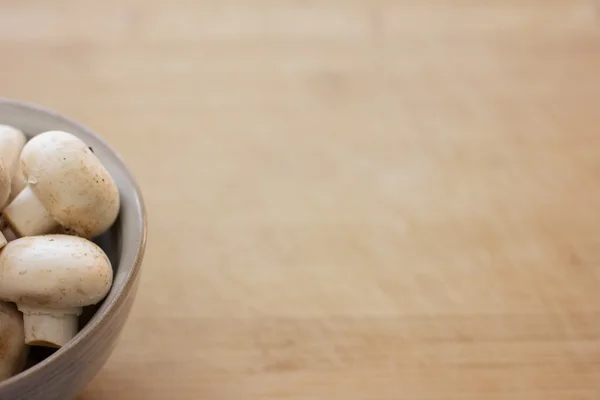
65, 373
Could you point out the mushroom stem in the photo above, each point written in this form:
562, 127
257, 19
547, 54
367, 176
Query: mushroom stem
49, 327
28, 216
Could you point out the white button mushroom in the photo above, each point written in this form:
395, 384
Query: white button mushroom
13, 351
51, 278
67, 186
4, 183
12, 141
4, 193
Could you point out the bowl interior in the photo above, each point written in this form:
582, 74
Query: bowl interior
124, 242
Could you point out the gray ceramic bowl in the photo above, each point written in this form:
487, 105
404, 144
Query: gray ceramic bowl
63, 374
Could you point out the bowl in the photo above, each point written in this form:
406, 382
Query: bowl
62, 374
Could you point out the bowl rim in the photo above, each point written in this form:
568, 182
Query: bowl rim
122, 293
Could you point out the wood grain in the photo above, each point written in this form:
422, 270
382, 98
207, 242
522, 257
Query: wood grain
362, 199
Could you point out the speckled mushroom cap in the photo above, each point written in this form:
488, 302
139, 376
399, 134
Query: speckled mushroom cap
71, 183
54, 272
13, 351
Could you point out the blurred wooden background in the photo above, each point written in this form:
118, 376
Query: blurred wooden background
348, 199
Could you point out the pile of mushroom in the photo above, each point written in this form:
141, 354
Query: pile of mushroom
55, 196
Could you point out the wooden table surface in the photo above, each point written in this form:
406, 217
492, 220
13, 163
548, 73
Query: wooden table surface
348, 199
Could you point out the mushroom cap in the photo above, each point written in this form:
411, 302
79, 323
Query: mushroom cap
12, 141
4, 183
71, 182
54, 272
13, 351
